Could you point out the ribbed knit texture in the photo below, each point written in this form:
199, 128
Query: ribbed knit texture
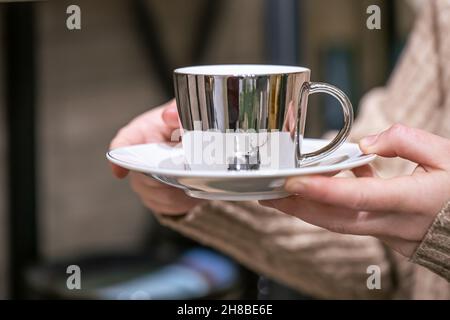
434, 251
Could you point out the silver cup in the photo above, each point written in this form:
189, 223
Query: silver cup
254, 98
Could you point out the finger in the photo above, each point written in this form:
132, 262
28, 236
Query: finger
160, 197
364, 171
147, 180
141, 183
126, 136
330, 174
172, 121
344, 220
179, 202
138, 130
404, 247
358, 194
170, 115
332, 218
419, 170
412, 144
348, 221
118, 172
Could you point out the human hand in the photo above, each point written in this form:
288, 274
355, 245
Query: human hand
398, 211
156, 125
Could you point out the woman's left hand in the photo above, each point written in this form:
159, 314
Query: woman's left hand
398, 211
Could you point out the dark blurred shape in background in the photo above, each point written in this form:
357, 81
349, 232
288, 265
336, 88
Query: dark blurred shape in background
64, 93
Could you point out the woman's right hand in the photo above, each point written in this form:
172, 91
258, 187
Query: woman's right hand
156, 125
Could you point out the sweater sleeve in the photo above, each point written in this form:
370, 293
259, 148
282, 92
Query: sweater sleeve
304, 257
434, 250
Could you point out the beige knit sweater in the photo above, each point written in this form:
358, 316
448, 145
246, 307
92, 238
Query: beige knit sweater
329, 265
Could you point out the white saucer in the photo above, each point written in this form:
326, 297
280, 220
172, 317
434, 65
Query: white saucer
165, 163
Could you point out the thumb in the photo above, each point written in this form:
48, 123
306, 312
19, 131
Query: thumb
408, 143
170, 115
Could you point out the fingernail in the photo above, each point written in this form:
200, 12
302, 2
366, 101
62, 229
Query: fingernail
296, 185
368, 141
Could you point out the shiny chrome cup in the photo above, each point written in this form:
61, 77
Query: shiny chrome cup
250, 100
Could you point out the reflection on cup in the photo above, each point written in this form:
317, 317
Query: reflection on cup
234, 117
238, 151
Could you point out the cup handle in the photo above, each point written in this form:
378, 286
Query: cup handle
316, 87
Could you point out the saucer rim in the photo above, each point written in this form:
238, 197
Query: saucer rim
362, 160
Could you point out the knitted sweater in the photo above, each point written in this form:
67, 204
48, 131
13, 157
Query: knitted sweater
330, 265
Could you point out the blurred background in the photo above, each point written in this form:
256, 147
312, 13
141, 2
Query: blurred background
64, 93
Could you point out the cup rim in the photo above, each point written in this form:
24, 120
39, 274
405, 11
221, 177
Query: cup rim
237, 70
